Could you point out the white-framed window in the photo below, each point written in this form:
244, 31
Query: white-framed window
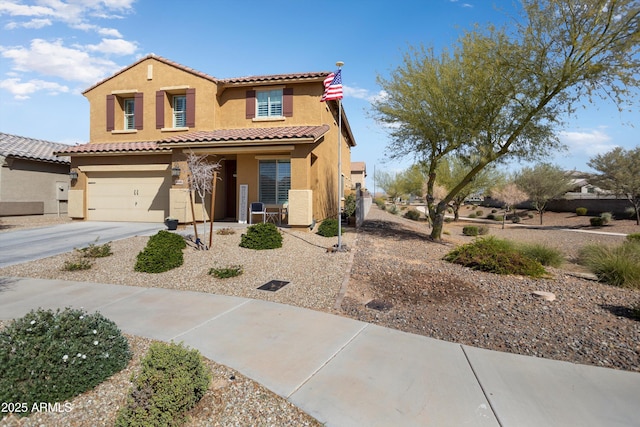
129, 114
179, 111
269, 103
275, 181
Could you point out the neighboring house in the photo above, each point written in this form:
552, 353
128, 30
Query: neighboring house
33, 181
358, 174
276, 141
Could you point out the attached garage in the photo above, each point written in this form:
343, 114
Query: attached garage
133, 195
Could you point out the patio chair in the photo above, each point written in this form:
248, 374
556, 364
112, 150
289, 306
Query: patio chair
257, 208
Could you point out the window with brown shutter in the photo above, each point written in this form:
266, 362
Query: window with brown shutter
191, 108
110, 112
160, 109
251, 104
138, 109
287, 102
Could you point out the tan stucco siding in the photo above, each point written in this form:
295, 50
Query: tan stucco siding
29, 181
136, 79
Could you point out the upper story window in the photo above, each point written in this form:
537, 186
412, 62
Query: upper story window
179, 111
269, 103
175, 108
129, 114
274, 103
124, 111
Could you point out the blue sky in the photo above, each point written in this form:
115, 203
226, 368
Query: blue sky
52, 50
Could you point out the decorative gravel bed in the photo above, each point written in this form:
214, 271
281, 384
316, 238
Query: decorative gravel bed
398, 272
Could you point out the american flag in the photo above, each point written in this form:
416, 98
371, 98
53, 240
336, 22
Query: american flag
332, 87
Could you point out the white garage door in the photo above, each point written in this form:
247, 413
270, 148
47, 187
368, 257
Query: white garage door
128, 196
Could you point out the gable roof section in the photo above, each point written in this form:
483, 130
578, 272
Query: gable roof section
114, 148
160, 59
31, 149
270, 134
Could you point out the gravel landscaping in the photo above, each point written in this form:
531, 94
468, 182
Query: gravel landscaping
397, 279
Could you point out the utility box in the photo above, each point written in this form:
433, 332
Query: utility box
62, 190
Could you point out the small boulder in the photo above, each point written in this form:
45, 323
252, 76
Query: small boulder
547, 296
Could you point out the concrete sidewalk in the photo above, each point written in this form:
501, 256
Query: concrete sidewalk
349, 373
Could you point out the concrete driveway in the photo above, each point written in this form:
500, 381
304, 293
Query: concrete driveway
27, 245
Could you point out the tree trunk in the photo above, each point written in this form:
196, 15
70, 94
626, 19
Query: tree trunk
438, 221
540, 212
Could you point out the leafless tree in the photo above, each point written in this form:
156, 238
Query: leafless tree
202, 172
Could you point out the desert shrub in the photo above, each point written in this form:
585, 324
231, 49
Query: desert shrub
630, 211
596, 221
162, 253
261, 236
494, 211
495, 256
581, 211
328, 228
479, 213
393, 209
470, 230
530, 215
96, 251
515, 219
225, 231
413, 214
482, 230
633, 237
77, 264
498, 218
607, 217
226, 272
49, 356
472, 215
350, 204
172, 380
616, 265
380, 202
491, 216
545, 255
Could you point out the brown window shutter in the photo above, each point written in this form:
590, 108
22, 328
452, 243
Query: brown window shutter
251, 104
138, 109
159, 109
191, 108
111, 101
287, 102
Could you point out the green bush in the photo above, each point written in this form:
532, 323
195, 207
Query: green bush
226, 272
491, 216
618, 266
96, 251
545, 255
77, 264
350, 204
171, 382
607, 217
261, 236
412, 214
633, 237
470, 230
472, 215
482, 230
515, 219
596, 221
162, 253
498, 218
49, 356
225, 231
581, 211
328, 228
495, 256
393, 209
479, 213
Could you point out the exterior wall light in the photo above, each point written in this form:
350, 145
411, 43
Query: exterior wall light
73, 174
175, 171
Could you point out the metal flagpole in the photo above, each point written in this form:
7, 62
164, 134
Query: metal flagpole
339, 64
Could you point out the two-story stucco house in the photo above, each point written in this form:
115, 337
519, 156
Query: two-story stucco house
277, 144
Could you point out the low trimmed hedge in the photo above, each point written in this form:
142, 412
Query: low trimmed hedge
162, 253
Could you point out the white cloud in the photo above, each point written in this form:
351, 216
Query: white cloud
114, 46
54, 59
22, 90
358, 93
32, 24
590, 142
75, 13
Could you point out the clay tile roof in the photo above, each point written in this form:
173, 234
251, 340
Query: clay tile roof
111, 147
252, 134
32, 149
275, 77
358, 167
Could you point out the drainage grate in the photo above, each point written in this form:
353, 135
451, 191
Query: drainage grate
378, 304
273, 285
